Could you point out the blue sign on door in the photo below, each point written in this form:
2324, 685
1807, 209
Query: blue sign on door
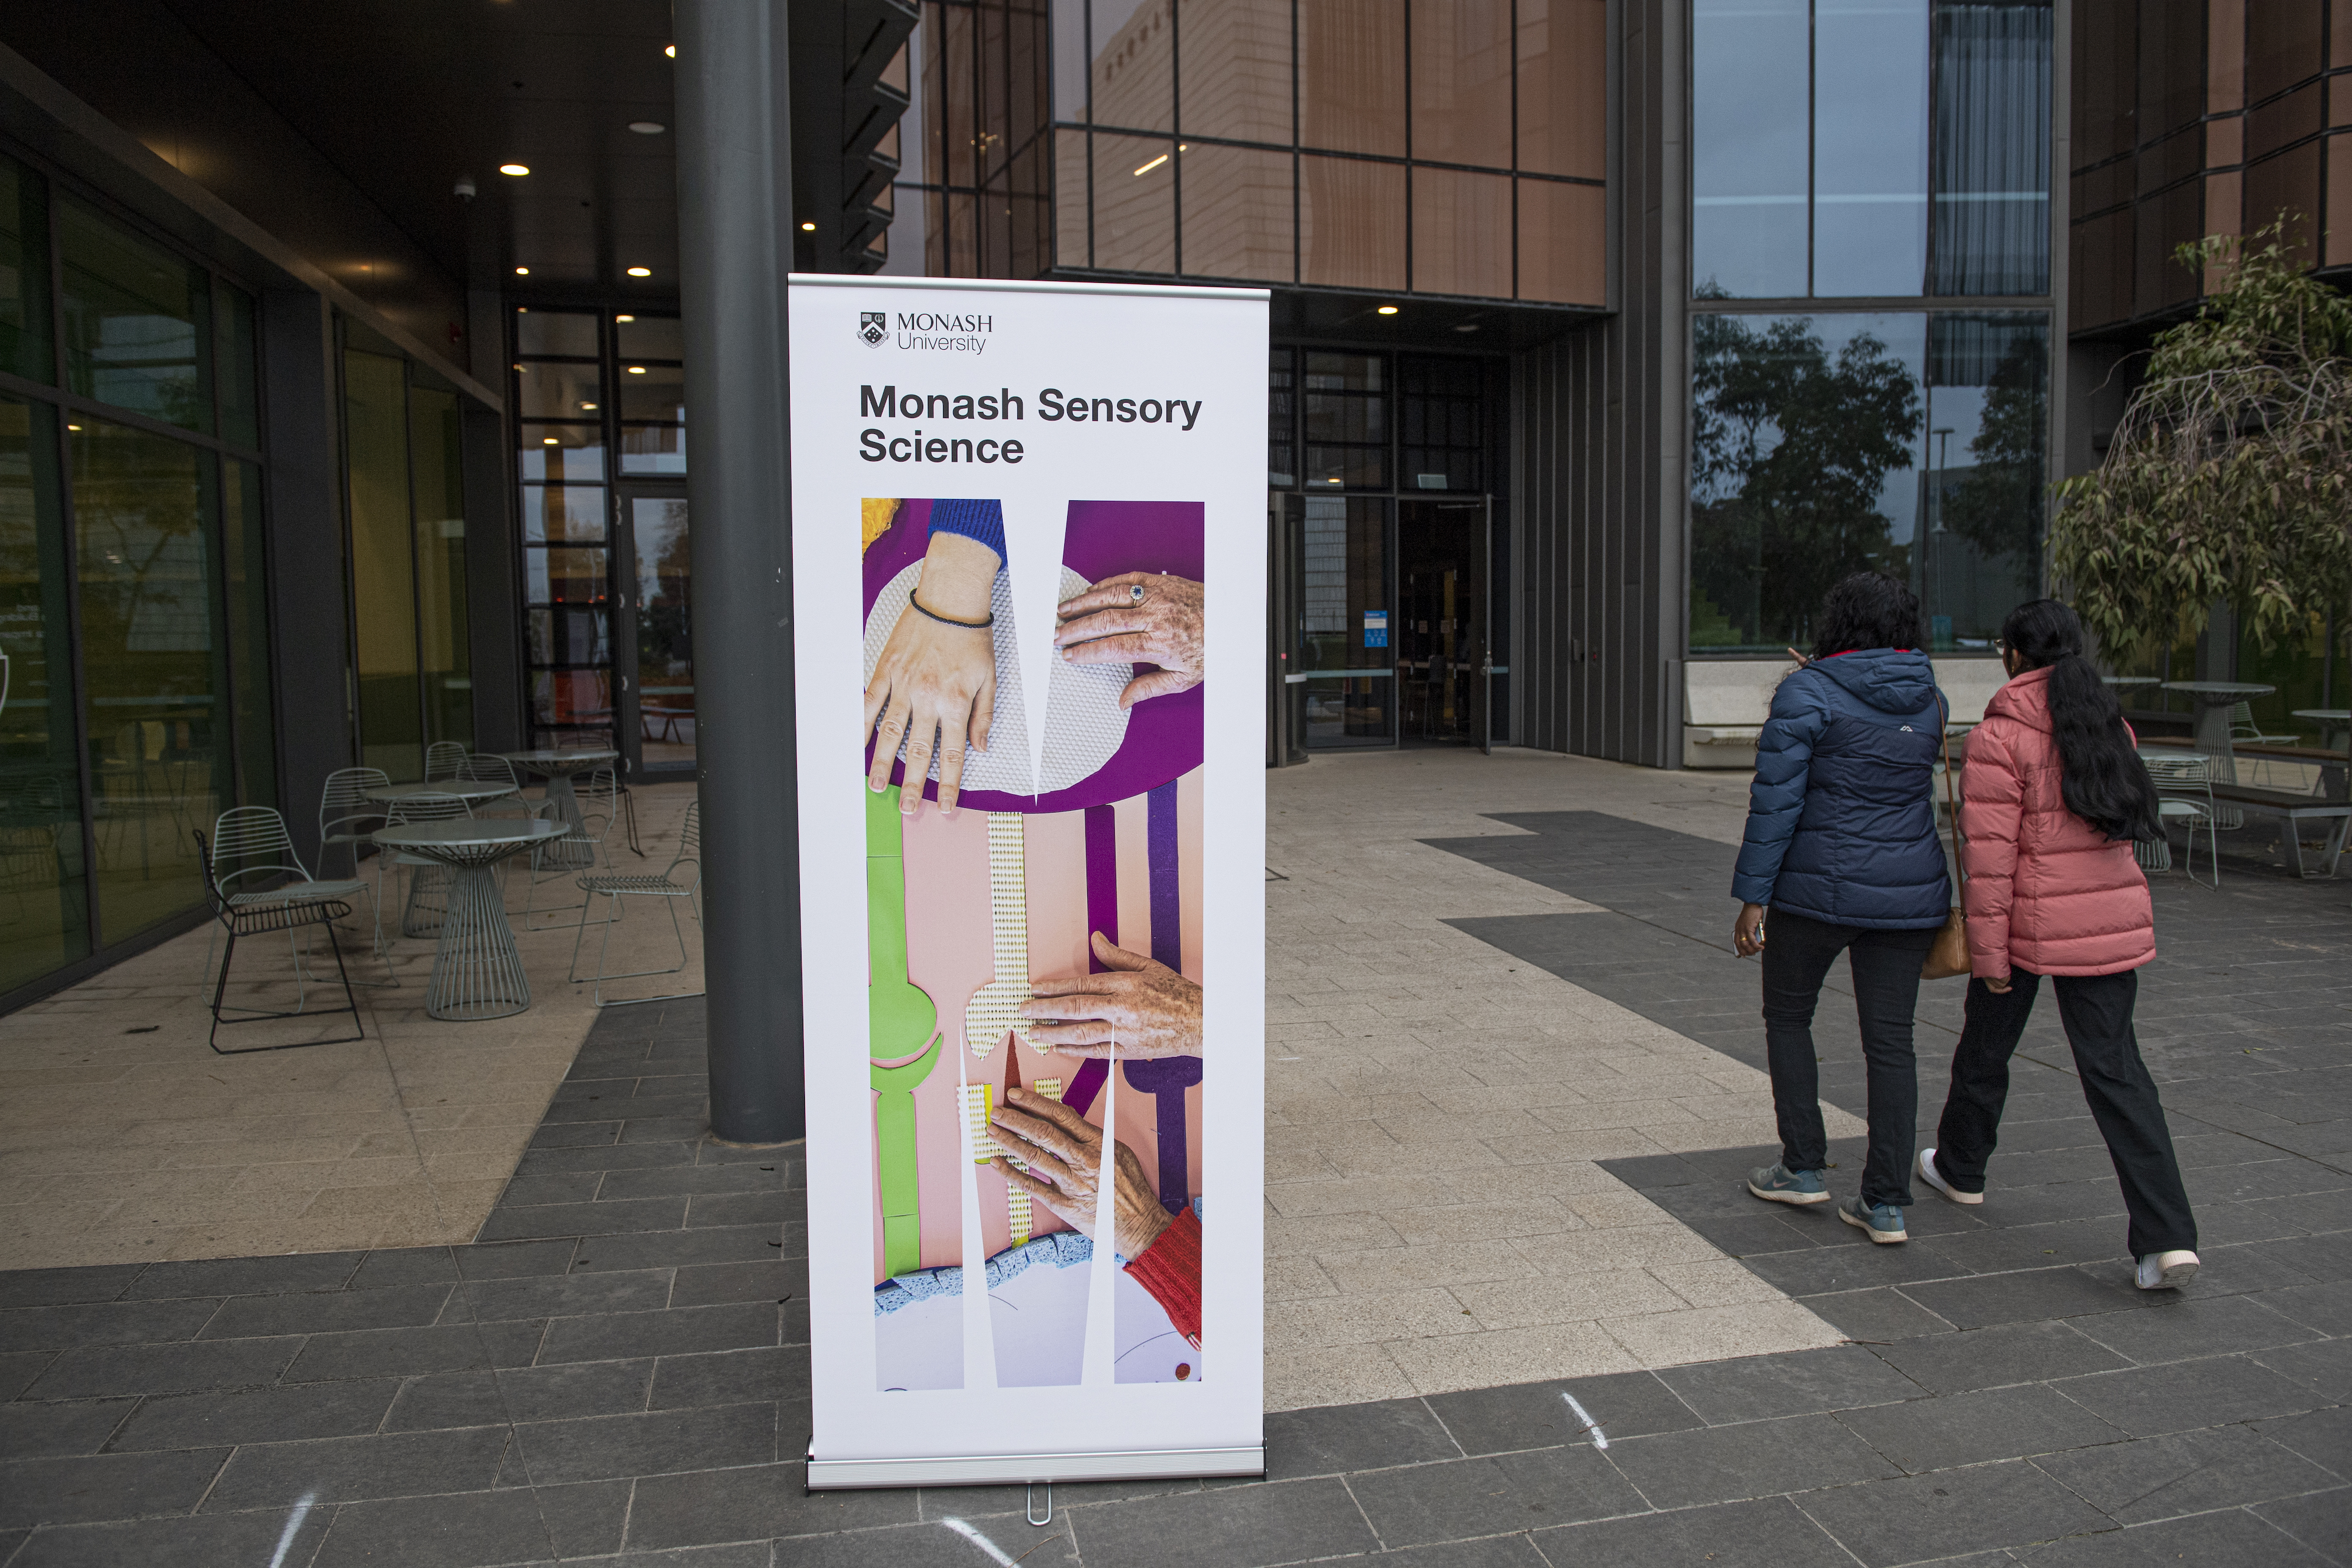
1376, 628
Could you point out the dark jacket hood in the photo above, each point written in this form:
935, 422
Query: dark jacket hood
1892, 680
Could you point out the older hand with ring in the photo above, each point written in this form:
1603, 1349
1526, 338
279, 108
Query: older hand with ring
1138, 618
1063, 1152
1140, 1009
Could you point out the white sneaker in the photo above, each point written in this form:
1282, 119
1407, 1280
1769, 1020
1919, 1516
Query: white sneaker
1932, 1178
2166, 1271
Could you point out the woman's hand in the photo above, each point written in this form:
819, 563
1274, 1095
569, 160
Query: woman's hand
935, 679
1140, 1009
1998, 987
1747, 931
1063, 1152
1107, 625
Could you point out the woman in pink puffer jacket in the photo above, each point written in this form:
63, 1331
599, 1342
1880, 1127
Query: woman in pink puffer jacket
2053, 795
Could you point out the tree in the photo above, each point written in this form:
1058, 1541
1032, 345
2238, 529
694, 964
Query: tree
1996, 504
2230, 478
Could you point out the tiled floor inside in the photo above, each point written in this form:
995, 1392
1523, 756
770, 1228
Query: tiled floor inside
616, 1370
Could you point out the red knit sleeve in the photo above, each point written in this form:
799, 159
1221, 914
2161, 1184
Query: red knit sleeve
1170, 1269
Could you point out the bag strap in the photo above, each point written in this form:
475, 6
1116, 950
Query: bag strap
1944, 713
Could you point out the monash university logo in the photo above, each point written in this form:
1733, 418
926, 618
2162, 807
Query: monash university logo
874, 326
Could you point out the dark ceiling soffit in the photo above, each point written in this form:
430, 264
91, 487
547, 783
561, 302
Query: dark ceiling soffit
75, 137
1350, 318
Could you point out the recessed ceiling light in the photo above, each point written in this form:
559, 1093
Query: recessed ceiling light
73, 427
516, 170
588, 408
1153, 164
1468, 327
636, 370
647, 126
522, 272
808, 228
1388, 310
641, 272
671, 50
624, 318
549, 440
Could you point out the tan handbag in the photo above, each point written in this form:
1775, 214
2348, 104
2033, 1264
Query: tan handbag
1949, 957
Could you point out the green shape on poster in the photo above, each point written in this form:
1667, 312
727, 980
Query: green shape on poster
900, 1017
894, 1151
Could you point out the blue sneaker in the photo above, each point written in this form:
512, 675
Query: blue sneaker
1880, 1222
1779, 1184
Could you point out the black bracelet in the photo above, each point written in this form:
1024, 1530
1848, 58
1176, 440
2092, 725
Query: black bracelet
967, 625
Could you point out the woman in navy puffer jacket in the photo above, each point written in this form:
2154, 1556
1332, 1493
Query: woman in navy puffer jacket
1841, 846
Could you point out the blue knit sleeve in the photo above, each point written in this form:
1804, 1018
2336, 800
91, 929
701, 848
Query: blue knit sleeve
982, 522
1784, 755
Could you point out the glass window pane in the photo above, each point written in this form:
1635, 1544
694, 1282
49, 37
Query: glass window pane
1807, 437
1346, 404
1563, 88
649, 337
569, 636
152, 666
1069, 61
1345, 625
1351, 223
1990, 225
556, 575
563, 514
1281, 416
437, 443
1562, 232
41, 869
1750, 67
1462, 81
572, 707
1072, 241
248, 633
653, 449
1351, 76
1237, 213
1870, 147
238, 383
557, 452
1235, 79
1135, 203
1134, 74
24, 278
558, 391
1441, 431
652, 392
571, 333
1461, 232
665, 630
135, 321
1986, 466
383, 568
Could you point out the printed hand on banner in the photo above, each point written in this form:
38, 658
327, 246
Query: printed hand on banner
1107, 625
935, 679
1146, 1008
1063, 1152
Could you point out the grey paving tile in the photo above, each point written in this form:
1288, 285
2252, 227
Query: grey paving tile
711, 1284
1949, 1512
258, 1415
2230, 1536
657, 1442
777, 1209
2326, 1309
104, 1485
1818, 1271
1537, 1415
406, 1266
1756, 1459
728, 1377
2182, 1327
18, 1371
673, 1332
1339, 1438
1232, 1527
521, 1394
355, 1469
561, 1295
1418, 1504
2323, 1366
253, 1317
555, 1220
248, 1276
515, 1259
57, 1287
2187, 1394
940, 1545
663, 1181
2321, 1524
1755, 1387
585, 1520
676, 1248
663, 1129
1878, 1316
164, 1368
463, 1531
2323, 1436
2034, 1296
554, 1187
1986, 1358
392, 1352
752, 1504
104, 1322
575, 1135
1770, 1533
36, 1430
1970, 1428
2189, 1472
205, 1540
540, 1158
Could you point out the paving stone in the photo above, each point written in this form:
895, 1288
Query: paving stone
515, 1259
2034, 1296
555, 1220
943, 1544
1970, 1428
1340, 1437
104, 1485
712, 1284
355, 1469
1876, 1316
1840, 1378
1537, 1415
461, 1530
1770, 1533
726, 1377
258, 1415
392, 1352
1754, 1459
657, 1442
36, 1430
247, 1276
679, 1331
678, 1249
587, 1519
1232, 1527
1986, 1358
162, 1368
205, 1540
2228, 1536
2324, 1367
253, 1317
575, 1295
754, 1503
2321, 1524
406, 1266
58, 1287
2182, 1327
1949, 1512
18, 1369
521, 1394
2189, 1472
1418, 1504
103, 1322
2323, 1436
2186, 1394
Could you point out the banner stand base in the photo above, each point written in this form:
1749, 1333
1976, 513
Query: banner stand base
1019, 1469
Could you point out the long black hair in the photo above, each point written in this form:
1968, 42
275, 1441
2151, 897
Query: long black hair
2101, 775
1868, 609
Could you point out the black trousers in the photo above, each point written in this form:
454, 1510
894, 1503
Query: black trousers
2097, 1012
1798, 953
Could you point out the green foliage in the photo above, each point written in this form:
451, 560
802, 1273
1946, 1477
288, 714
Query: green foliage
2230, 478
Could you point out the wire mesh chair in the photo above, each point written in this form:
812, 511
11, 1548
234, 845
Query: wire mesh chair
444, 760
2242, 727
2184, 794
346, 815
429, 879
668, 885
483, 768
599, 795
253, 840
267, 916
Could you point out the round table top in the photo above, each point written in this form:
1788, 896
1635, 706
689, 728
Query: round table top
470, 833
2340, 715
2220, 688
2131, 680
468, 789
549, 761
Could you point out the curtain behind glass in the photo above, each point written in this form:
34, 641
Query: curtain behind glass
1991, 221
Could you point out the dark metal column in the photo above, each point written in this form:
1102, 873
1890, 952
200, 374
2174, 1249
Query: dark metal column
735, 244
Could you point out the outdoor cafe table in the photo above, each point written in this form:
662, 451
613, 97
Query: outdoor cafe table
477, 970
2334, 723
558, 769
423, 917
2214, 701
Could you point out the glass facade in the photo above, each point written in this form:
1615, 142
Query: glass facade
1448, 147
136, 701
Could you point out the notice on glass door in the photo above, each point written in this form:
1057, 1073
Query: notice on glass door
1029, 580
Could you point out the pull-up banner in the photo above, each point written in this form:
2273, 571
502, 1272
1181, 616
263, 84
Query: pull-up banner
1029, 559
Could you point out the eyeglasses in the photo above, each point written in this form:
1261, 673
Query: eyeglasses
1998, 646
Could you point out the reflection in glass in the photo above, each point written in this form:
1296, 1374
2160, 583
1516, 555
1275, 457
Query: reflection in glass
1237, 213
665, 630
1352, 228
1990, 223
1345, 627
558, 575
43, 896
152, 666
1347, 421
649, 338
1461, 232
569, 636
242, 556
1235, 68
1135, 203
240, 393
1749, 68
558, 391
563, 514
652, 392
1351, 76
554, 453
1986, 469
1281, 416
571, 708
1134, 64
1870, 147
383, 567
437, 443
24, 279
1440, 408
571, 333
136, 321
653, 449
1564, 118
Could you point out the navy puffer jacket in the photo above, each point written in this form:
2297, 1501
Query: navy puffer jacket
1841, 818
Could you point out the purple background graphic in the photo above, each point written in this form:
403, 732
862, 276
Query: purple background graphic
1100, 539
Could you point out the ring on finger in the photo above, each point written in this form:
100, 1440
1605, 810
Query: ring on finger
1135, 594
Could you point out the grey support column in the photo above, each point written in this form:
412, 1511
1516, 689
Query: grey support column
735, 234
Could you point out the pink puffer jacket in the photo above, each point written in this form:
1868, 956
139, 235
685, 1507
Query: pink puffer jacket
2046, 891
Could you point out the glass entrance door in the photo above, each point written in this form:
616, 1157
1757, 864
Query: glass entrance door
656, 709
1443, 640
